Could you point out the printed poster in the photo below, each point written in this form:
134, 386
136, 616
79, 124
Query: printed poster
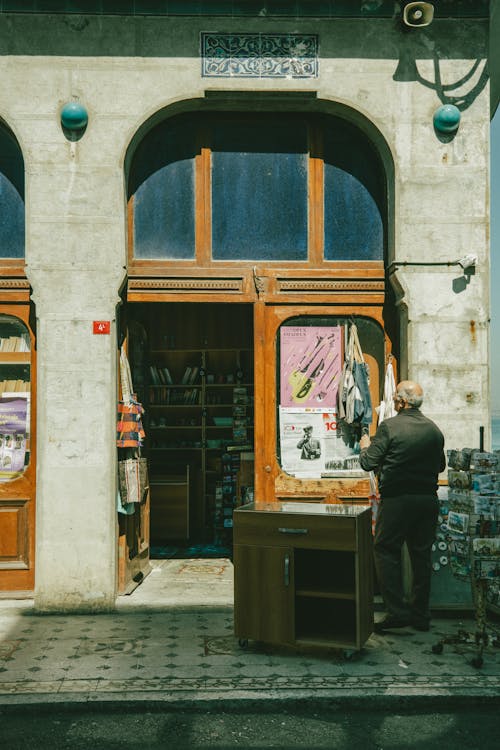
313, 444
13, 422
311, 364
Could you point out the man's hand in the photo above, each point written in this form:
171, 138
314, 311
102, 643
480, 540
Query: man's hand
364, 441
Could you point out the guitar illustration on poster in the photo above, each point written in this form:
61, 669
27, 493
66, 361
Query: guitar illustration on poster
310, 366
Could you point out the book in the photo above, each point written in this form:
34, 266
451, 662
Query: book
186, 376
154, 375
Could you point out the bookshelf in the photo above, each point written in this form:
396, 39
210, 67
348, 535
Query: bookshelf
15, 388
193, 421
197, 377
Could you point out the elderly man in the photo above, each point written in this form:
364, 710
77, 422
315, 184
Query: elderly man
407, 453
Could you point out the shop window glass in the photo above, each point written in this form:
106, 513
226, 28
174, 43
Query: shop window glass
353, 198
14, 398
255, 186
11, 197
259, 189
162, 183
312, 440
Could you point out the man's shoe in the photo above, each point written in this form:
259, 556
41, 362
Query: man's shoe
389, 622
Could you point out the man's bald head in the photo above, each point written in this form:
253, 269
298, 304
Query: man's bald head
411, 392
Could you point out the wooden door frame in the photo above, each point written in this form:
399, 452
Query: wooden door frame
19, 495
131, 571
270, 480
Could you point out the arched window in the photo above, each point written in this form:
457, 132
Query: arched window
273, 187
11, 197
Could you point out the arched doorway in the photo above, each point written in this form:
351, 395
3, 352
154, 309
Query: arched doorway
282, 213
17, 383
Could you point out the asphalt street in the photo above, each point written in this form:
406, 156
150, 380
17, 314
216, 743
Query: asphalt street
293, 727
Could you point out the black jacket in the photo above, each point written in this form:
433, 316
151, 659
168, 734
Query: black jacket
407, 453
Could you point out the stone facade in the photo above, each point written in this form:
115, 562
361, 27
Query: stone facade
126, 70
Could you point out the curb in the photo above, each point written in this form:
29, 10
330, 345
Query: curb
408, 701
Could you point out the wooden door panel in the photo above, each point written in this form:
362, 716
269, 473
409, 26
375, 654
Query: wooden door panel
271, 481
14, 534
263, 593
133, 530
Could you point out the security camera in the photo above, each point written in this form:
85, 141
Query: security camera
469, 261
418, 14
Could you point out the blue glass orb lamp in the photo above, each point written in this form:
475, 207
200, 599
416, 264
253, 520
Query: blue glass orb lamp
74, 117
447, 118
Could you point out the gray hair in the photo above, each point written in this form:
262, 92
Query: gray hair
412, 393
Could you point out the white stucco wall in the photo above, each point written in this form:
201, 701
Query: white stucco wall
124, 70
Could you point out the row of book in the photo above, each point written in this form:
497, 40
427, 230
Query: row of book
175, 396
162, 376
14, 344
17, 386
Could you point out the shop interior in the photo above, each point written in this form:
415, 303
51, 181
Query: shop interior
192, 369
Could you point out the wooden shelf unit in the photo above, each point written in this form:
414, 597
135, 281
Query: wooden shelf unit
303, 578
191, 424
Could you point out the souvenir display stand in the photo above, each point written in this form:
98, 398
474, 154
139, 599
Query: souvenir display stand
472, 533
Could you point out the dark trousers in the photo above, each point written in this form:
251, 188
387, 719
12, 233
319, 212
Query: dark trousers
411, 519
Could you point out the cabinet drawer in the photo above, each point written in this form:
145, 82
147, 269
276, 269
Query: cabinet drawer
295, 530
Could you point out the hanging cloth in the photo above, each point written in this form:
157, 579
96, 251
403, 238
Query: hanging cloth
386, 408
133, 482
355, 404
129, 429
125, 377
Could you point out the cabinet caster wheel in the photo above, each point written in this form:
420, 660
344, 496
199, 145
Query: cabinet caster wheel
477, 662
243, 642
437, 648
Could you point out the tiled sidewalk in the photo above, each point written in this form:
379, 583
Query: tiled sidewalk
189, 654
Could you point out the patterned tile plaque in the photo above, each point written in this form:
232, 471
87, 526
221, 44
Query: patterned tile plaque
259, 55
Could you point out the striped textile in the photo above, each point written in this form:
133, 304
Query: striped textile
129, 430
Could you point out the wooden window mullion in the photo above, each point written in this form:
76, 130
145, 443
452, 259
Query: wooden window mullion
316, 197
203, 200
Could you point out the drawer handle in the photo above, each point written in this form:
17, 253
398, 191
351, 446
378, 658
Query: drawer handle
283, 530
287, 570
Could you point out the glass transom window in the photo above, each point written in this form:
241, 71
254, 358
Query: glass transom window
270, 187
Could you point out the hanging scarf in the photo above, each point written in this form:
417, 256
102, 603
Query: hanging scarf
355, 404
129, 429
387, 408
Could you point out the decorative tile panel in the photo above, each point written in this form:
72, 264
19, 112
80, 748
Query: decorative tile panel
259, 55
187, 285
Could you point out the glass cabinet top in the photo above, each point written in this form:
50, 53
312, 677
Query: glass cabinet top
280, 506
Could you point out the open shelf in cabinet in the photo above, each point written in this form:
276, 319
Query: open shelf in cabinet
325, 620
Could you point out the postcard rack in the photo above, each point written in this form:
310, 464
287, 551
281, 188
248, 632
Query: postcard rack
472, 531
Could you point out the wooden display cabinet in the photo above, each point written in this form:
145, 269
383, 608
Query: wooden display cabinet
303, 574
170, 497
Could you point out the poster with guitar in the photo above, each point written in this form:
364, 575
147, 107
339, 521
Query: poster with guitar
310, 365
